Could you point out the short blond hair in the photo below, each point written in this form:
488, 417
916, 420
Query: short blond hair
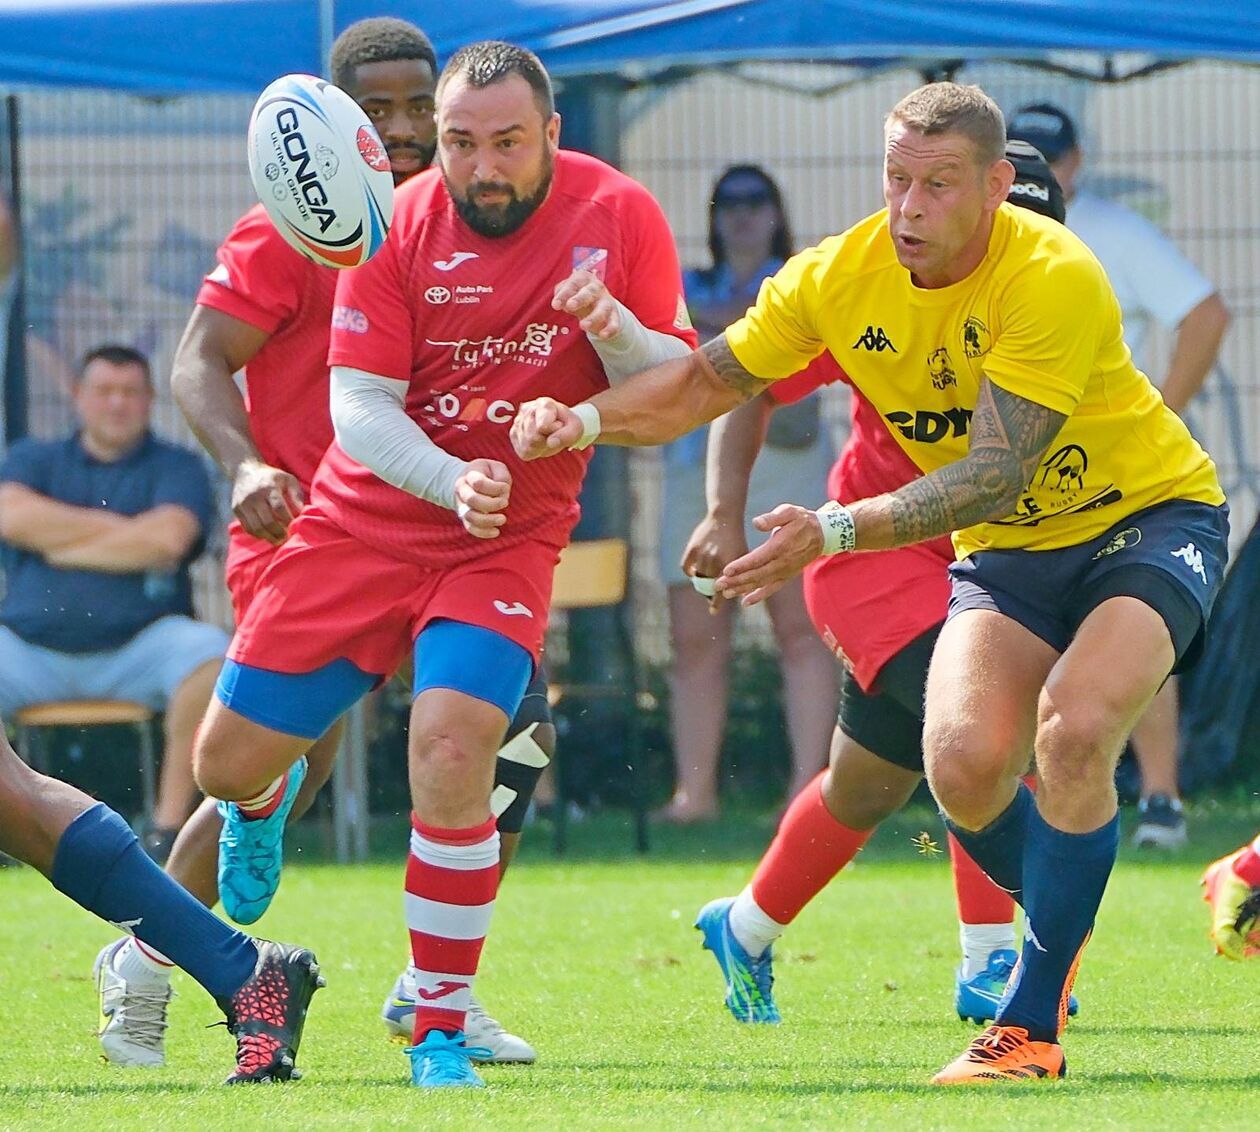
952, 108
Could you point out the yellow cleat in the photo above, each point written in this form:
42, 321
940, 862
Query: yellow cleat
1235, 906
1004, 1053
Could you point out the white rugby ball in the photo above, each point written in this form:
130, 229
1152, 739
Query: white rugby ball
320, 170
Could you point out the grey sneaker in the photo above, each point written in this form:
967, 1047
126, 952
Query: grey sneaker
483, 1033
133, 1015
1161, 824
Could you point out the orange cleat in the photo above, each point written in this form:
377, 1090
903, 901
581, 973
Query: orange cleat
1235, 908
1004, 1053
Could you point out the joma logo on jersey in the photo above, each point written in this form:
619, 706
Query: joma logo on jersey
928, 427
874, 338
449, 407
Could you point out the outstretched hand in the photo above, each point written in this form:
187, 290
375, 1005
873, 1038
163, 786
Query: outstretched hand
481, 497
795, 540
543, 428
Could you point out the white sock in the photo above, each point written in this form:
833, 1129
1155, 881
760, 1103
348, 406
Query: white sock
133, 964
754, 930
979, 941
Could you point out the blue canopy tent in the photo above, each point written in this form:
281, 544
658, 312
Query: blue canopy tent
174, 46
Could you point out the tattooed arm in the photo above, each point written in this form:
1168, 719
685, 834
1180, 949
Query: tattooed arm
1009, 436
653, 407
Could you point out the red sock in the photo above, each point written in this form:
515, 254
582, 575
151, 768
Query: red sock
452, 877
1247, 866
980, 901
267, 803
809, 849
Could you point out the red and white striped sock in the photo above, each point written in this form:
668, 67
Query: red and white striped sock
265, 804
452, 878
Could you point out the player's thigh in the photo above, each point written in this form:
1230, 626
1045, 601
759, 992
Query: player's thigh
236, 757
1122, 653
30, 674
156, 661
980, 708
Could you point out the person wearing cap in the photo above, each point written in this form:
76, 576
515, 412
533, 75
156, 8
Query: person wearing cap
1154, 282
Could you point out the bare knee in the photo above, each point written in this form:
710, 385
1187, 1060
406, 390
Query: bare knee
1076, 743
234, 758
969, 770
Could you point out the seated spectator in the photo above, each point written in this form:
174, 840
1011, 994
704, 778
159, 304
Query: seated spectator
97, 532
749, 239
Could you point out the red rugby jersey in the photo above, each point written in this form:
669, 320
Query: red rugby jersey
260, 280
467, 321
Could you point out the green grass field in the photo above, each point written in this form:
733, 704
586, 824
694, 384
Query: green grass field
594, 960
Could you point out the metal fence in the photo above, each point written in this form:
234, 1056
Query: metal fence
124, 200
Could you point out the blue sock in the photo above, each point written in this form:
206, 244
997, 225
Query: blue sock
999, 847
1064, 878
100, 865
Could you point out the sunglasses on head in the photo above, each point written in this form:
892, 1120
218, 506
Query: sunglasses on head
753, 198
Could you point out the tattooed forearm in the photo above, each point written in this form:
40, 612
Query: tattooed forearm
1009, 436
729, 372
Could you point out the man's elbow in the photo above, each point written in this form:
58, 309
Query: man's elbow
1211, 317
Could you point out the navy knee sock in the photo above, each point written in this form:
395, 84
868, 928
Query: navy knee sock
1064, 878
100, 865
999, 847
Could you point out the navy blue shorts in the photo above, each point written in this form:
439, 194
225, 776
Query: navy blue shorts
1171, 556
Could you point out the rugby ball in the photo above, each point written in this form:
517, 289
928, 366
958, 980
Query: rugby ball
320, 170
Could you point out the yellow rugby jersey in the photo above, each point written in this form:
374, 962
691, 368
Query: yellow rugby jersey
1038, 318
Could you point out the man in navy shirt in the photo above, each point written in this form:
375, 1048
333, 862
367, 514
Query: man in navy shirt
97, 532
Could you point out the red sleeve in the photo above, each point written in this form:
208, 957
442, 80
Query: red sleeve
654, 290
259, 279
823, 370
372, 323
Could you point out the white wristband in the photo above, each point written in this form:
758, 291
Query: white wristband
838, 530
589, 416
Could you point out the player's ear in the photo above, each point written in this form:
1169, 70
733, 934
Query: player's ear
998, 182
552, 132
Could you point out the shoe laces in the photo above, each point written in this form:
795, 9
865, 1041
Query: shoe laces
447, 1054
997, 1042
141, 1014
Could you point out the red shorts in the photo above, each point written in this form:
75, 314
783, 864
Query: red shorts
867, 607
247, 561
327, 596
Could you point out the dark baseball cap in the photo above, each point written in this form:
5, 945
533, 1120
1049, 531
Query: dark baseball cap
1035, 185
1045, 126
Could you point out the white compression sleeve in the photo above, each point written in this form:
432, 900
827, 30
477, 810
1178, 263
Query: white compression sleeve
371, 424
635, 348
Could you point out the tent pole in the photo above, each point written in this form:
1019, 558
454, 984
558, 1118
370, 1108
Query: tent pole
13, 358
327, 22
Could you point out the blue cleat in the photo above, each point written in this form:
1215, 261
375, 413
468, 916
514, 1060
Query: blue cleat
749, 981
444, 1061
251, 853
977, 999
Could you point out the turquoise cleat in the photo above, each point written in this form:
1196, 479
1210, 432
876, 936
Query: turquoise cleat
444, 1061
977, 999
251, 853
749, 981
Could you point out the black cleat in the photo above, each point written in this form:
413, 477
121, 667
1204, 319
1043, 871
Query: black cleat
267, 1014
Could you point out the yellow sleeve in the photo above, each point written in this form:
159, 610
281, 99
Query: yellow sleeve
1056, 313
776, 337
